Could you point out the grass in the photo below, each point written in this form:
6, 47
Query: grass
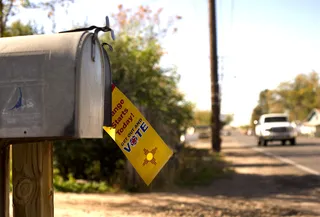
79, 186
190, 167
76, 186
200, 167
73, 185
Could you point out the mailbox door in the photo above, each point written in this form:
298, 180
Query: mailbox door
90, 89
108, 92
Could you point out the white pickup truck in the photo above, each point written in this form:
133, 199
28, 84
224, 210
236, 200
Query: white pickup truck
275, 127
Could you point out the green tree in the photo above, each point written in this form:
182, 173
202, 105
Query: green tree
263, 106
256, 113
300, 96
275, 104
227, 120
10, 8
264, 102
202, 117
297, 97
18, 29
137, 71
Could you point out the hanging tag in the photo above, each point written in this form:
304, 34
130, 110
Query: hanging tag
140, 143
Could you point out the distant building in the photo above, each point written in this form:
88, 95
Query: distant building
311, 125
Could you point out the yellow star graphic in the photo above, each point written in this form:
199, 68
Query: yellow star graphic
150, 156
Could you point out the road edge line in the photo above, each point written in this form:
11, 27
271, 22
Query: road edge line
288, 161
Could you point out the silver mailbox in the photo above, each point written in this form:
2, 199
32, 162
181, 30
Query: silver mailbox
50, 86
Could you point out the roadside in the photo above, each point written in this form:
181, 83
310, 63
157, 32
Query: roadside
267, 180
262, 186
264, 181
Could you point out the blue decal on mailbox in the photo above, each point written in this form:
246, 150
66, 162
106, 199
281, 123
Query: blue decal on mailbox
19, 102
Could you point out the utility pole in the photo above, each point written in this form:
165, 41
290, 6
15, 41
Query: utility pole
215, 95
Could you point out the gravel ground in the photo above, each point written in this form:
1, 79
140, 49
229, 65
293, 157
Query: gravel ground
261, 187
169, 204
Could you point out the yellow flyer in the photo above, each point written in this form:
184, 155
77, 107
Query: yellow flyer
140, 143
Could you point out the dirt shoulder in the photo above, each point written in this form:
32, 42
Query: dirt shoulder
263, 181
262, 186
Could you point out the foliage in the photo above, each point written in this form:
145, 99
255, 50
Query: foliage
262, 107
300, 96
143, 24
96, 159
200, 167
9, 8
79, 186
75, 186
187, 168
256, 113
202, 117
136, 71
228, 118
18, 29
297, 97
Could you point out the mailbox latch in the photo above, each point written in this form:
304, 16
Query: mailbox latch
95, 35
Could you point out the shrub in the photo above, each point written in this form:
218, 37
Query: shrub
79, 186
200, 167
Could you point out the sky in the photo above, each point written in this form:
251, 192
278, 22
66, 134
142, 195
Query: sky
260, 44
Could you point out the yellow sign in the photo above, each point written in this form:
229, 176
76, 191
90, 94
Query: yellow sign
136, 138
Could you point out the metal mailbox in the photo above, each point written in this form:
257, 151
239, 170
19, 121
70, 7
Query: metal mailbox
54, 86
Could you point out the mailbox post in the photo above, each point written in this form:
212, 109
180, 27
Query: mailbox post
52, 87
4, 180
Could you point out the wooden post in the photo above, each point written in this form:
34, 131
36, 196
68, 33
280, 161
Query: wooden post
215, 92
4, 180
32, 177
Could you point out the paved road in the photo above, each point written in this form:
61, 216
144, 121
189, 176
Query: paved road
305, 155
